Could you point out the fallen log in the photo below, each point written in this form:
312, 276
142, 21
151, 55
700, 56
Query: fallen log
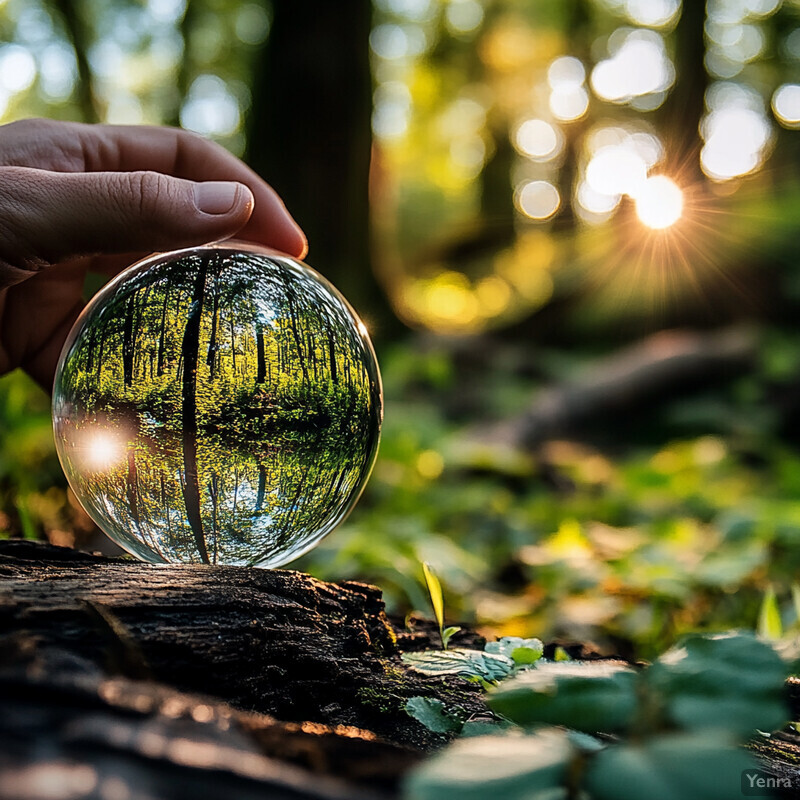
181, 676
663, 366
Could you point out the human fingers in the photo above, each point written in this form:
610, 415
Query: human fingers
76, 147
47, 217
37, 317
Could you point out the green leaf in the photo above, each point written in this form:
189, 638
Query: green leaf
521, 651
670, 767
447, 634
434, 715
769, 617
465, 663
522, 656
586, 696
435, 591
561, 654
507, 767
731, 681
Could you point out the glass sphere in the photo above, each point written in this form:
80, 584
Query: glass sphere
218, 405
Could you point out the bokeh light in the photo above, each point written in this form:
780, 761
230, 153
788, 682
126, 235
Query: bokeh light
761, 8
593, 206
392, 109
391, 41
58, 72
463, 16
210, 108
654, 13
736, 131
615, 170
17, 68
638, 66
539, 140
566, 71
252, 24
791, 44
569, 103
538, 199
786, 105
569, 99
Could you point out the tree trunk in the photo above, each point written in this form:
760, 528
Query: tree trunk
293, 318
680, 117
96, 656
129, 336
189, 352
309, 135
213, 344
162, 333
261, 358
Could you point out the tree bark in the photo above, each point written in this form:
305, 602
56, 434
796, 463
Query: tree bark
309, 135
97, 655
189, 353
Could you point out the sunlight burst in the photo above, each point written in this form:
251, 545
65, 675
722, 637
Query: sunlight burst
102, 451
659, 203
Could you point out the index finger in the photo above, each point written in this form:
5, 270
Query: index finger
78, 147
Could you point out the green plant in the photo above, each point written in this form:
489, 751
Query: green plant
671, 731
770, 625
437, 601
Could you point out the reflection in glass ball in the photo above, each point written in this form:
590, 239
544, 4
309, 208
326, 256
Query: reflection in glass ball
218, 405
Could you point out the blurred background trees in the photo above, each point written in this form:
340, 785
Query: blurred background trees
526, 185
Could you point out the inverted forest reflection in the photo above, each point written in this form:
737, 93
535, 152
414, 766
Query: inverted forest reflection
218, 405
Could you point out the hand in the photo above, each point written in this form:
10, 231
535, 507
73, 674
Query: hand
75, 198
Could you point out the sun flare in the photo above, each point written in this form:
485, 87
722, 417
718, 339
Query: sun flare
103, 451
659, 202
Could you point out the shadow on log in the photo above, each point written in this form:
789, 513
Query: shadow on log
200, 681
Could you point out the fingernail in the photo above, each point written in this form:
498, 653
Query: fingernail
216, 197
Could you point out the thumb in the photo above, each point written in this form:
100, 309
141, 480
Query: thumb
48, 217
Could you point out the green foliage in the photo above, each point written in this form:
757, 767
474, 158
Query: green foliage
33, 494
678, 726
500, 659
561, 655
682, 767
471, 664
666, 534
728, 682
520, 651
513, 768
588, 697
434, 716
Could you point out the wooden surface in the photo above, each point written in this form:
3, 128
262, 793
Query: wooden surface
177, 680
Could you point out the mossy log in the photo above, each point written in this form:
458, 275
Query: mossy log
173, 681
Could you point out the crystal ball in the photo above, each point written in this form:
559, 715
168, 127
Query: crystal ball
218, 405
